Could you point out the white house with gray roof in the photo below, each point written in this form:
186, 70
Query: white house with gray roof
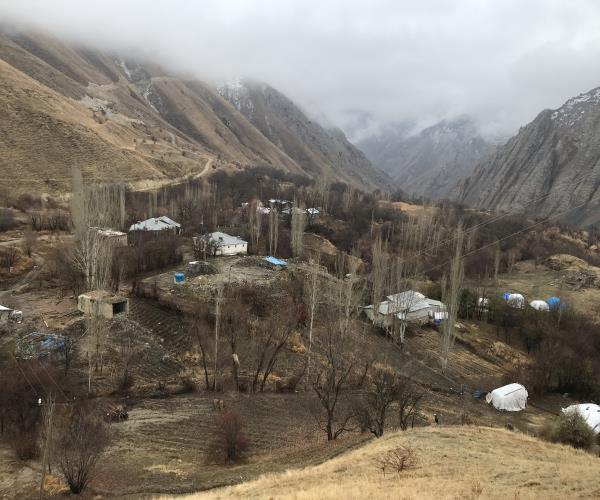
219, 243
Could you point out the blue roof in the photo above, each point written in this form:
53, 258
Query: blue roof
275, 261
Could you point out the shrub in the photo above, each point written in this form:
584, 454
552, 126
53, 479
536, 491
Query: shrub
229, 443
396, 460
188, 384
570, 429
80, 439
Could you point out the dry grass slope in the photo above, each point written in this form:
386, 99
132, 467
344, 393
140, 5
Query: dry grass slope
453, 462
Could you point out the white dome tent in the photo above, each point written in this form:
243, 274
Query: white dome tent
539, 305
516, 300
511, 397
590, 413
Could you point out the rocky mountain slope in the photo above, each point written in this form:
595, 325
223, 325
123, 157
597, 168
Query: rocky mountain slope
431, 162
550, 168
116, 119
315, 148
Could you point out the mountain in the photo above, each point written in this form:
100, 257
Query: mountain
122, 120
550, 168
430, 162
316, 149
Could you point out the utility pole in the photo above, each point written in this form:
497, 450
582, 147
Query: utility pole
49, 415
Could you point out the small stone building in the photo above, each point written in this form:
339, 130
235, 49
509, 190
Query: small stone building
103, 304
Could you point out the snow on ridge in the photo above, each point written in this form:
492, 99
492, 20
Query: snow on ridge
571, 111
236, 92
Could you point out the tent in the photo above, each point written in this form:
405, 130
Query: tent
554, 303
516, 300
590, 413
539, 305
511, 397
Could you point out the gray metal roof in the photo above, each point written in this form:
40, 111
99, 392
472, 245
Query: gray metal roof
220, 239
155, 224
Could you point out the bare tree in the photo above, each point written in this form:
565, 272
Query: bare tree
381, 391
297, 227
273, 230
199, 332
80, 440
408, 396
451, 295
333, 381
312, 290
255, 223
379, 270
218, 304
29, 242
270, 337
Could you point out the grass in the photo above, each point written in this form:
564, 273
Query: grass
453, 462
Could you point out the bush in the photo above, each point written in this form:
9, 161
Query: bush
570, 429
230, 443
396, 460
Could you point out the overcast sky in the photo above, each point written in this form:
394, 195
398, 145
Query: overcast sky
358, 63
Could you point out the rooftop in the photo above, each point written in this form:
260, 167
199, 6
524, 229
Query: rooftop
218, 238
155, 224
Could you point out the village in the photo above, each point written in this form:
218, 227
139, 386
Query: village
205, 311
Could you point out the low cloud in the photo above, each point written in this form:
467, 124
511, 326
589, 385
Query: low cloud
361, 64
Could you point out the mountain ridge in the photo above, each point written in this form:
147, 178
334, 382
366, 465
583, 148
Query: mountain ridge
129, 121
431, 161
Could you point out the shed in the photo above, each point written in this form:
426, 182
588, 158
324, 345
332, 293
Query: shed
590, 413
511, 397
102, 304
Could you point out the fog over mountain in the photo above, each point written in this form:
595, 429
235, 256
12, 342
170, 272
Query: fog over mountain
361, 65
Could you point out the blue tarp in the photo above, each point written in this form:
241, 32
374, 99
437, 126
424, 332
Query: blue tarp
37, 345
275, 261
179, 277
505, 295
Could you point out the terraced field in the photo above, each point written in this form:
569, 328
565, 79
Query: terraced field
164, 445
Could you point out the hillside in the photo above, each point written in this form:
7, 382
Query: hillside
453, 462
550, 168
316, 149
118, 119
430, 162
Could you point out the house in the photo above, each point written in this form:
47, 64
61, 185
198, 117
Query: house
409, 306
5, 313
219, 243
102, 304
163, 223
152, 228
